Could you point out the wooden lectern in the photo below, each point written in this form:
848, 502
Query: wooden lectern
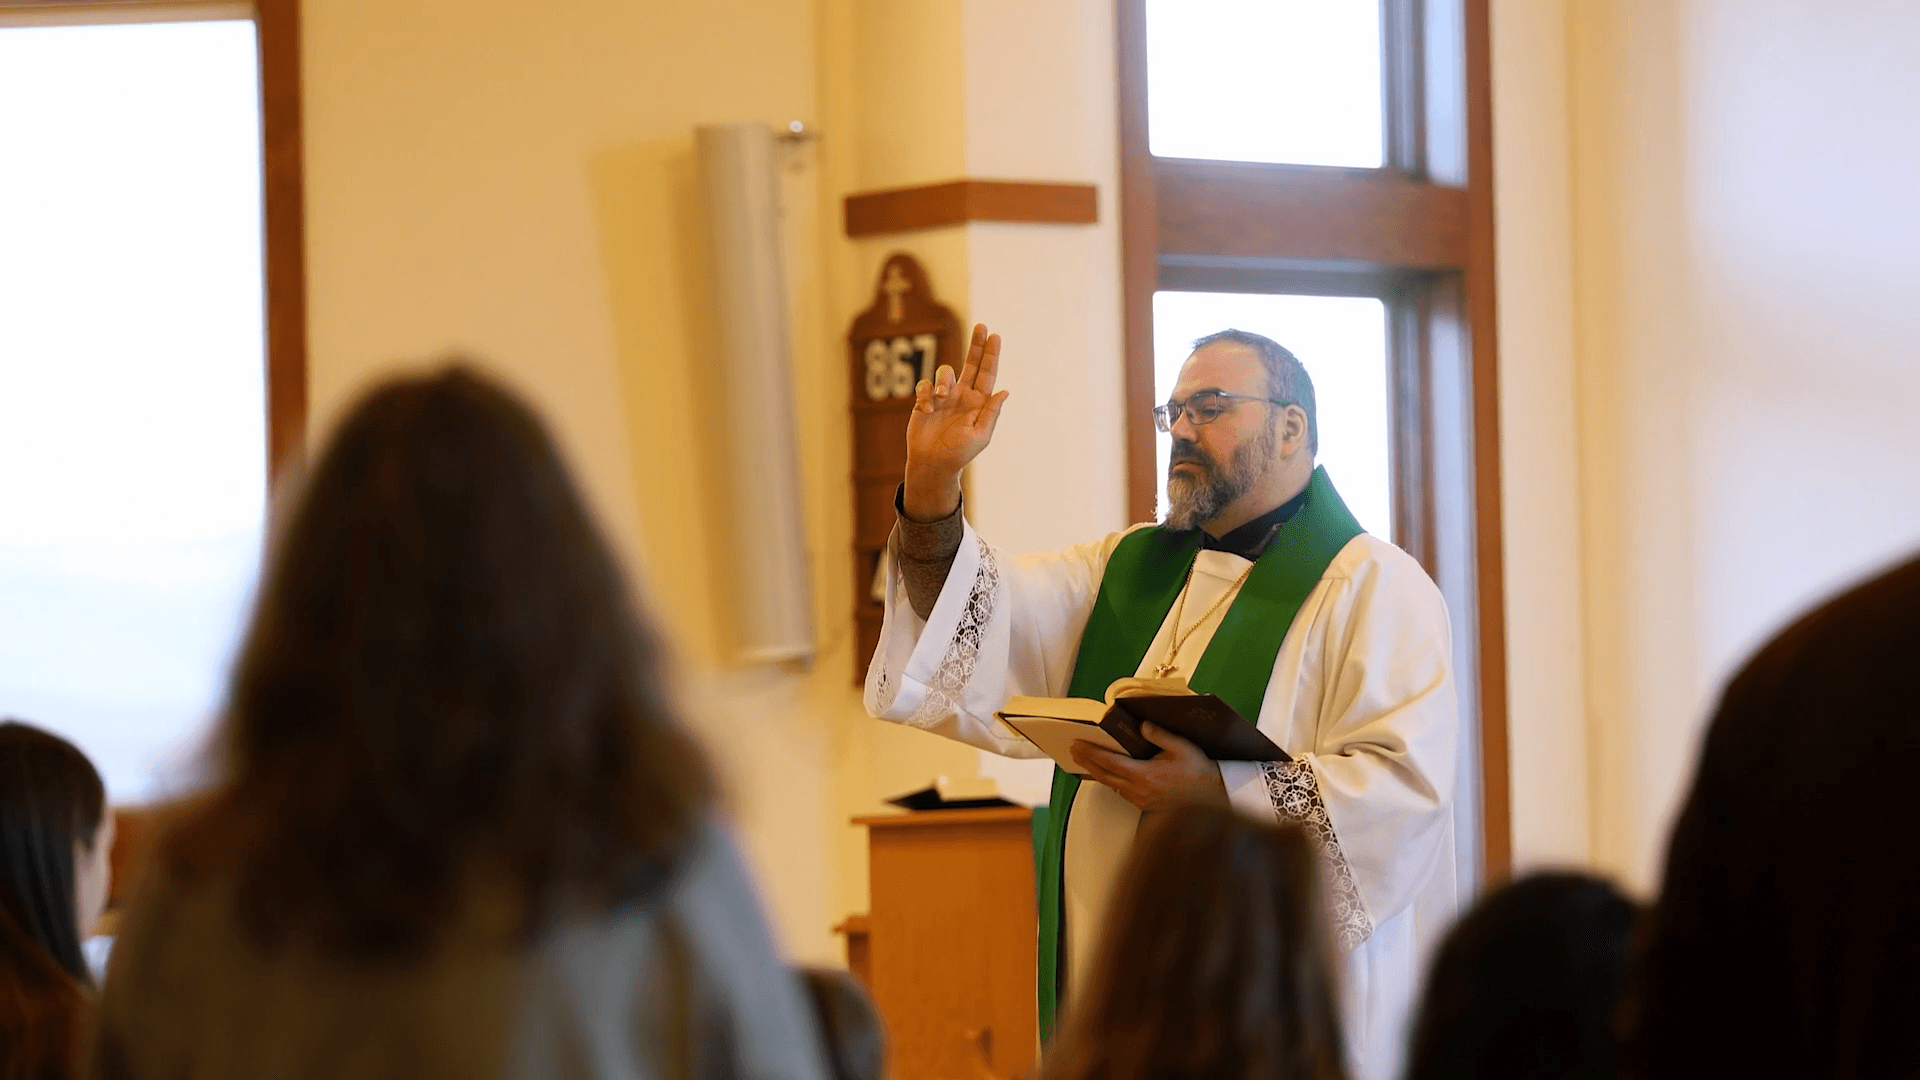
951, 942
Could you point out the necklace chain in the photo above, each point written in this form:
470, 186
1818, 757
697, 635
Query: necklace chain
1172, 662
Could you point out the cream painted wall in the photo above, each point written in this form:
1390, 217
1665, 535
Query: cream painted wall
1635, 340
1705, 329
1746, 326
1533, 160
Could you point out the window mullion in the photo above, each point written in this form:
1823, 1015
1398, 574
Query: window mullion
1403, 86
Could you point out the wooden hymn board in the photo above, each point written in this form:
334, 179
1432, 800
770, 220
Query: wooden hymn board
897, 341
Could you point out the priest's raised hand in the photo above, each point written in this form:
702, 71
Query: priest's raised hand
953, 420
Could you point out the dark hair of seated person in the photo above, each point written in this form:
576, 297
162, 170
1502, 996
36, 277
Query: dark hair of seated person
1786, 938
444, 675
851, 1034
1215, 961
52, 804
1526, 984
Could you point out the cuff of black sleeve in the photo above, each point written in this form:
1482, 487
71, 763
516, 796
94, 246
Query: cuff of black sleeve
928, 541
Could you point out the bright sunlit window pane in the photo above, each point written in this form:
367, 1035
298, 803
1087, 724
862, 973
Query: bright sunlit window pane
1289, 81
132, 397
1342, 341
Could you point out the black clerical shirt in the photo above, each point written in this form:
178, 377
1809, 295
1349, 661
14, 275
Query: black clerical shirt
1250, 540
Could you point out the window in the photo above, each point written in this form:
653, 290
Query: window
1347, 338
1318, 171
136, 387
1282, 81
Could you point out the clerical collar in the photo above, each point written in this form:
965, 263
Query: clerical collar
1250, 540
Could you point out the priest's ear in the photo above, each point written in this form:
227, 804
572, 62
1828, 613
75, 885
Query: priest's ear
1296, 431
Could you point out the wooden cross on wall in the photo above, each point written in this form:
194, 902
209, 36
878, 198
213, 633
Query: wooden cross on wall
896, 286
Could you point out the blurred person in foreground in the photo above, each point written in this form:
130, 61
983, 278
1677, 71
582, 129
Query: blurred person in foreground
1259, 586
851, 1032
1786, 938
1215, 962
1526, 984
55, 837
460, 832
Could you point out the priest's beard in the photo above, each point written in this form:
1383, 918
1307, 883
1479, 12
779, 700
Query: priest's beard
1195, 499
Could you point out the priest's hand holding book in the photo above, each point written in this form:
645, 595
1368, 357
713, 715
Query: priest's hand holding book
1180, 773
1155, 742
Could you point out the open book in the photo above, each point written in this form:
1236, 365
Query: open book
948, 793
1055, 724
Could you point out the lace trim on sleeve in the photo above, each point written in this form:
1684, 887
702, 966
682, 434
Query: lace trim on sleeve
949, 680
1296, 799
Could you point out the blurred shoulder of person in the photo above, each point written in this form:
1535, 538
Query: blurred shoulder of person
1526, 984
457, 828
55, 838
851, 1032
1786, 935
1217, 961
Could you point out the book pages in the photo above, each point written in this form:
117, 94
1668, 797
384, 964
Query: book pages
1055, 736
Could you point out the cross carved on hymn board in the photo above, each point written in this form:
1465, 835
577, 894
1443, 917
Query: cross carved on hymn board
896, 286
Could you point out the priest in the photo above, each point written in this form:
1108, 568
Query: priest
1258, 586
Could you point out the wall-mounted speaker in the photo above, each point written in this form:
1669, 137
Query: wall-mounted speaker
765, 519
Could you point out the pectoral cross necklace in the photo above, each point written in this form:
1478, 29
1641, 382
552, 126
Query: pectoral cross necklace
1172, 663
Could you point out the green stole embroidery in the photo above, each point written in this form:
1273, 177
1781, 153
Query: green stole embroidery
1141, 582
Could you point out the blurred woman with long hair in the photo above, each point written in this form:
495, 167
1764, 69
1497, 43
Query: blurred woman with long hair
55, 836
460, 831
1786, 938
1215, 963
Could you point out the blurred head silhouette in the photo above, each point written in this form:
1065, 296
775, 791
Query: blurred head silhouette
54, 839
1215, 961
1786, 938
851, 1033
444, 677
1526, 984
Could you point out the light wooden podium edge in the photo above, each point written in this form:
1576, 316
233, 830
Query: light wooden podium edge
924, 818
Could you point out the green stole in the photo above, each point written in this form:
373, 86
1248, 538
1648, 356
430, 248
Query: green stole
1141, 582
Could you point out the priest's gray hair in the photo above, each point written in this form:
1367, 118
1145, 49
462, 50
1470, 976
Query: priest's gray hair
1287, 377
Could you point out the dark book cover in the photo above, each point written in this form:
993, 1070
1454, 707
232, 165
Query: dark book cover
1202, 719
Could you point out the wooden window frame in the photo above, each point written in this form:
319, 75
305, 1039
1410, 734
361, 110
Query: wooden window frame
283, 230
1416, 233
283, 225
